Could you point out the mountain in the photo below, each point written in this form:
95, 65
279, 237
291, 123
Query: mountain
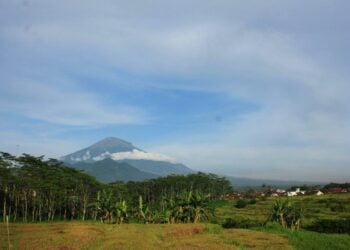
93, 160
100, 150
160, 167
108, 170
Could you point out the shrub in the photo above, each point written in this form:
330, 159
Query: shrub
331, 226
337, 207
233, 223
252, 201
286, 213
241, 203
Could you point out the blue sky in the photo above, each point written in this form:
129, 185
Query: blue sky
245, 88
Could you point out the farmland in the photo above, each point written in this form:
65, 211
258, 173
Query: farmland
51, 206
315, 208
95, 235
136, 236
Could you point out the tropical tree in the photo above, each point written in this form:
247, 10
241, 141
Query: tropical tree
139, 214
121, 212
286, 213
199, 204
104, 206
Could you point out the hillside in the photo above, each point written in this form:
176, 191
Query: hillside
108, 170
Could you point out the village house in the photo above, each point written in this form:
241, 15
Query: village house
296, 192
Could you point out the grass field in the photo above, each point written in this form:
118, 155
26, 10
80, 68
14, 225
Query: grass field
315, 208
137, 236
89, 235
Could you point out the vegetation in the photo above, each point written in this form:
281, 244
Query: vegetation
33, 189
36, 190
314, 209
331, 226
337, 185
302, 239
74, 235
286, 213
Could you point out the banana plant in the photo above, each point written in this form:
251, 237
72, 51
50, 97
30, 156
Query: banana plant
121, 212
104, 206
287, 214
140, 213
199, 203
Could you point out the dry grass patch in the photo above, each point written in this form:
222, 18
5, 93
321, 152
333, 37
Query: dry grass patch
136, 236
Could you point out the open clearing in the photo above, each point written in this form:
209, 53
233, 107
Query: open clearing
136, 236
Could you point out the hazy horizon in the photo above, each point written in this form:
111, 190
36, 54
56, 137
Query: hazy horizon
258, 89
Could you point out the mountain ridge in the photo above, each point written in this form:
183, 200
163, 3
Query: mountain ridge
121, 151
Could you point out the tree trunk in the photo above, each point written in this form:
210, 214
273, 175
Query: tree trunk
25, 207
4, 209
40, 204
16, 208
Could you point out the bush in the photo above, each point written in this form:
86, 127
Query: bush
252, 201
241, 203
331, 226
232, 223
337, 207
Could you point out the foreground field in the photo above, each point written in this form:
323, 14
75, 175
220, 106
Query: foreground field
136, 236
88, 235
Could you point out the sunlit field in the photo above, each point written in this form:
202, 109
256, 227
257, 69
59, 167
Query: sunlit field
257, 235
136, 236
315, 208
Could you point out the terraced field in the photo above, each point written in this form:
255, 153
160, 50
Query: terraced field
315, 208
136, 236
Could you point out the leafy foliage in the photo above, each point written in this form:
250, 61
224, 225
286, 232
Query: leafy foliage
286, 213
34, 189
331, 226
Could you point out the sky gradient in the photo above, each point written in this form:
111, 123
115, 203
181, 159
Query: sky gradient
246, 88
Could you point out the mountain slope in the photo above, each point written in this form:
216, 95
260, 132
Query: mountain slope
160, 167
123, 151
108, 170
100, 149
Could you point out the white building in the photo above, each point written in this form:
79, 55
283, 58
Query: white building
319, 192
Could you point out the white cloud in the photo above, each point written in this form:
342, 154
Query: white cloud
70, 106
255, 52
133, 155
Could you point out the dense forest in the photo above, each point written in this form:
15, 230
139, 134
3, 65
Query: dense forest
33, 189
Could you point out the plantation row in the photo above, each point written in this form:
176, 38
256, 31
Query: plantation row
33, 190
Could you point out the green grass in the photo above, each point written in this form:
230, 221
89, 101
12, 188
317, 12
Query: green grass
89, 235
310, 240
315, 208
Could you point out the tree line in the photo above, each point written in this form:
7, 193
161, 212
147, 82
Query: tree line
33, 189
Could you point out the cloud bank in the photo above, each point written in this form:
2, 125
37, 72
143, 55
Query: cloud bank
68, 65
